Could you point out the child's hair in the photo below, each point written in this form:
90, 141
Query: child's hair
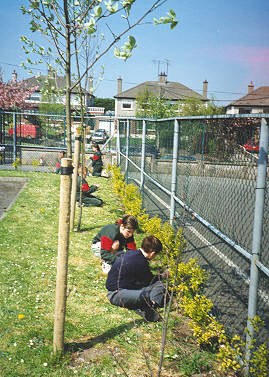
95, 145
151, 243
128, 221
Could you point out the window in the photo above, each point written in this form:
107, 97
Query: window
34, 97
126, 105
245, 110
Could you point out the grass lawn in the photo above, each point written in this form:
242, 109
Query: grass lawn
100, 339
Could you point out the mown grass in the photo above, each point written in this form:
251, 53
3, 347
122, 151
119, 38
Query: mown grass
100, 339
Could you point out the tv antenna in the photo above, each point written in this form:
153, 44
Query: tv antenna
162, 66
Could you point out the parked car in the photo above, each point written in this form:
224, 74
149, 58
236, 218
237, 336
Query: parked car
251, 147
100, 136
29, 131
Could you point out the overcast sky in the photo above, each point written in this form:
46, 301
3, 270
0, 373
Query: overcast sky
224, 42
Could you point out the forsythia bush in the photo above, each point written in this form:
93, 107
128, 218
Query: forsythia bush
230, 350
187, 280
16, 163
190, 278
229, 353
259, 363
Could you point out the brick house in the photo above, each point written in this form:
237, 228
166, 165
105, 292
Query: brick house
255, 101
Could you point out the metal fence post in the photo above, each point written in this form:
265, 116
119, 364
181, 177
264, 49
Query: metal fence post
118, 144
14, 136
143, 154
174, 171
127, 148
203, 141
257, 234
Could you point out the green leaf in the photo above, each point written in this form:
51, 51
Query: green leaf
98, 12
173, 25
132, 41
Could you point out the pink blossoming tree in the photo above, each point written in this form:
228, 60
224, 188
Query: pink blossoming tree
13, 95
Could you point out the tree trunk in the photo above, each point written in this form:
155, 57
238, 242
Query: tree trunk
62, 260
68, 81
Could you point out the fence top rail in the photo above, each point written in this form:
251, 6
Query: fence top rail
29, 112
222, 116
33, 113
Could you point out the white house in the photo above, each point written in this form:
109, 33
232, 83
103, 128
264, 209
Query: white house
125, 101
56, 85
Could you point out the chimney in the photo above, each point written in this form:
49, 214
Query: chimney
90, 85
119, 85
250, 87
205, 85
14, 76
162, 77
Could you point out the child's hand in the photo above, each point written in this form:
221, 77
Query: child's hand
165, 274
115, 246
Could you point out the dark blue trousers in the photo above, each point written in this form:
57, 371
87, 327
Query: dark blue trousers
151, 297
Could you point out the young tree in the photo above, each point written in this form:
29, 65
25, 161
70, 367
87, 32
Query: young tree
150, 106
194, 106
107, 103
66, 22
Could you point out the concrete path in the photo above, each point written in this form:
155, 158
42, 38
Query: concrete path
10, 187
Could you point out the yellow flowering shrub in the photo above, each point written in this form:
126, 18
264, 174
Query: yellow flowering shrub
259, 363
207, 332
196, 307
131, 200
117, 178
16, 163
229, 353
190, 277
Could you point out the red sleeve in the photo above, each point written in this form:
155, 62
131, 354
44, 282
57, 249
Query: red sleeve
106, 243
131, 245
85, 187
95, 157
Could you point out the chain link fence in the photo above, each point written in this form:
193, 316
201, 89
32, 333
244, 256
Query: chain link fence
201, 173
35, 140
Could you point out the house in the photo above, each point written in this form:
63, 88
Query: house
256, 101
55, 86
125, 101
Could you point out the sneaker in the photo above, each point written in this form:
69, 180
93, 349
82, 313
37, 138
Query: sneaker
152, 316
140, 312
82, 205
105, 267
149, 315
96, 249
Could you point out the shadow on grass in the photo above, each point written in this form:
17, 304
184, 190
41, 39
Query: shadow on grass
109, 334
87, 229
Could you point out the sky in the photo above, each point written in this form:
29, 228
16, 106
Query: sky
223, 42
